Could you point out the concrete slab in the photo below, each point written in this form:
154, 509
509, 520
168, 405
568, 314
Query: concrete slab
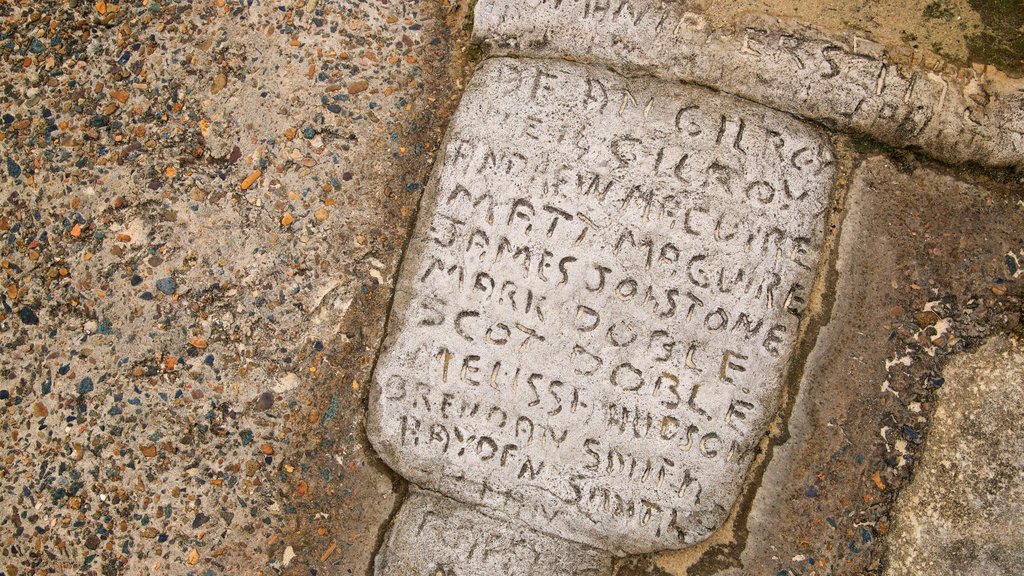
203, 211
599, 302
963, 513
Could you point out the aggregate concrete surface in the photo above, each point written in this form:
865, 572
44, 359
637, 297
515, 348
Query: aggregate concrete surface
204, 205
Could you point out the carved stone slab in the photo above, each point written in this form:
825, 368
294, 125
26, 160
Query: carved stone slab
848, 82
594, 315
437, 536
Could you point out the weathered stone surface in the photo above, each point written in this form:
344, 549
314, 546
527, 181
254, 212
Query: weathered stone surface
436, 536
921, 275
848, 82
596, 310
963, 513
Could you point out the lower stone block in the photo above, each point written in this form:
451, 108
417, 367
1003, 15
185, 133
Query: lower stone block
436, 536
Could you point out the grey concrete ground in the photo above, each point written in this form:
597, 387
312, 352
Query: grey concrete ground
964, 511
434, 535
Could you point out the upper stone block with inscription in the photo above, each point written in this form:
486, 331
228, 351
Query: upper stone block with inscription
600, 300
846, 82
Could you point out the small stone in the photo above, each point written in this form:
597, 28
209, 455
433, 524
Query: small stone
251, 179
287, 219
219, 81
877, 479
289, 554
92, 542
85, 386
267, 449
149, 451
39, 410
199, 520
1013, 264
166, 285
193, 557
28, 316
265, 401
926, 318
358, 86
12, 168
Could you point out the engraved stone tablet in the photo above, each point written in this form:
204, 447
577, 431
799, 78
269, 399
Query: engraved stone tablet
597, 307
